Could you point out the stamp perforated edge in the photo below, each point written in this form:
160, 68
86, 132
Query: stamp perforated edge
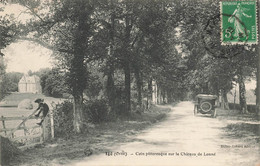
221, 26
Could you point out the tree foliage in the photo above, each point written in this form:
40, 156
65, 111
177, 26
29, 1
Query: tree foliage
8, 32
53, 83
11, 81
116, 50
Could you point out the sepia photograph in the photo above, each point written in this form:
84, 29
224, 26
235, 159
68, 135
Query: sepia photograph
129, 83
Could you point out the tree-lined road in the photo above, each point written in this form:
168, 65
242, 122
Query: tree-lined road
198, 140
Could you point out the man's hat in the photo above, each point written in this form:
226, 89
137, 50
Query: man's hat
38, 100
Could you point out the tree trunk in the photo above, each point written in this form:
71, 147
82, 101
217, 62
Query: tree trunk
78, 117
226, 105
224, 101
235, 96
159, 95
139, 85
164, 96
78, 82
127, 87
111, 88
150, 93
242, 93
77, 92
78, 69
127, 61
222, 105
170, 99
110, 75
218, 102
2, 74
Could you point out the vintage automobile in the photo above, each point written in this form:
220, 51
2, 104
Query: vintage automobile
205, 104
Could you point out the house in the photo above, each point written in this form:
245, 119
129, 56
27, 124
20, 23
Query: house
29, 84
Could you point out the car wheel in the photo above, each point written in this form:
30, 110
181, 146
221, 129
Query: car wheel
205, 107
195, 110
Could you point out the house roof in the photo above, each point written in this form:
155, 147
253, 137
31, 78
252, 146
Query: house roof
29, 79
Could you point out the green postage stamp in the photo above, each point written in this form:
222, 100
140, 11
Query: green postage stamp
238, 22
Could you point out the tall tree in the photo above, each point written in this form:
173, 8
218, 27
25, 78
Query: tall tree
65, 28
8, 32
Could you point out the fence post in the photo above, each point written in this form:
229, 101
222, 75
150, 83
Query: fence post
52, 123
42, 137
45, 128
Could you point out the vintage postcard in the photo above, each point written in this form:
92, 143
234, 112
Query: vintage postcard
129, 83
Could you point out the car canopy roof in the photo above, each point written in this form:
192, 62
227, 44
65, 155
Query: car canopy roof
205, 96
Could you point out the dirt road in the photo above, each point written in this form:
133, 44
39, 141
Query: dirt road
184, 140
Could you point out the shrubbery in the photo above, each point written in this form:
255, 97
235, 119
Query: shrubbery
53, 82
95, 111
63, 119
8, 151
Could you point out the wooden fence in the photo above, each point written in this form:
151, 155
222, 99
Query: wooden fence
28, 134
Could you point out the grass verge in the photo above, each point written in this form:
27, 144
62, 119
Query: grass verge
99, 139
245, 127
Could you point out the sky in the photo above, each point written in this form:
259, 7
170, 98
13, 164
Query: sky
23, 56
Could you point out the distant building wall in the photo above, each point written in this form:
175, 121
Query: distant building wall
29, 84
22, 87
